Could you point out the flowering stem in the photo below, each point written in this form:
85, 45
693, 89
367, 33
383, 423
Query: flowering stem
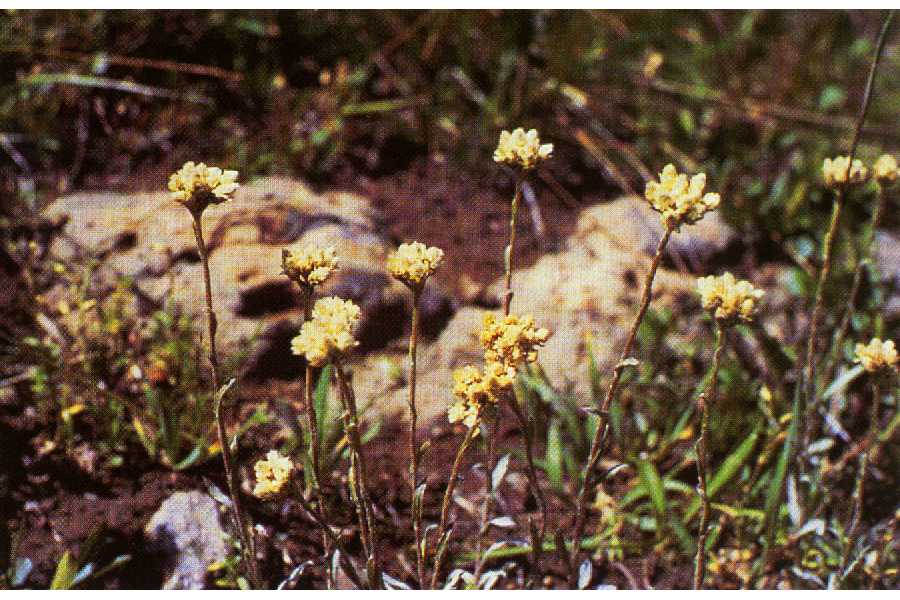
448, 499
508, 253
413, 445
312, 424
603, 417
702, 450
364, 511
809, 397
240, 524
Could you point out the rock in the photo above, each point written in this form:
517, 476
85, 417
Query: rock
591, 287
186, 531
887, 255
149, 238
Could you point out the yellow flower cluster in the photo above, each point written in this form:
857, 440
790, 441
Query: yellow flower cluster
511, 340
329, 334
835, 171
210, 185
727, 298
877, 355
311, 266
272, 474
474, 390
677, 200
885, 169
520, 149
414, 263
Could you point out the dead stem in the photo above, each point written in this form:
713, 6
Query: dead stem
599, 433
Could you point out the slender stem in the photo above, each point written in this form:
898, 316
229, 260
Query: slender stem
240, 524
312, 423
332, 537
448, 499
603, 417
809, 398
365, 510
703, 458
537, 542
412, 442
508, 253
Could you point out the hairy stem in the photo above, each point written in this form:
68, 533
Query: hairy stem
702, 450
240, 524
603, 417
412, 442
365, 513
448, 500
508, 253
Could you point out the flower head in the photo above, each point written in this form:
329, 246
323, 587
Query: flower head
511, 340
329, 334
877, 355
197, 186
885, 169
835, 171
271, 474
677, 200
727, 298
520, 149
474, 391
311, 266
414, 263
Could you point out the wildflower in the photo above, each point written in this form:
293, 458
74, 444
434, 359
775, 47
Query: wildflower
835, 171
521, 149
329, 334
271, 474
877, 355
510, 341
727, 298
885, 169
677, 200
414, 263
197, 186
311, 266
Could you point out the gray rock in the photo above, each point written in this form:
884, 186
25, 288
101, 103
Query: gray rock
187, 533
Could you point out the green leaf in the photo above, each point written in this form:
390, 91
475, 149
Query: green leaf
64, 577
554, 461
191, 459
650, 478
776, 487
839, 385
